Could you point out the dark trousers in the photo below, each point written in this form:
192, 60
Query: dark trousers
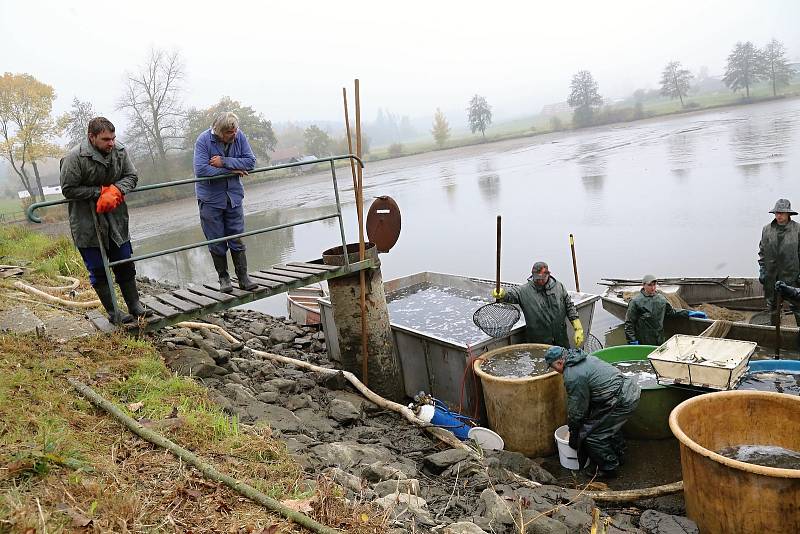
94, 262
219, 222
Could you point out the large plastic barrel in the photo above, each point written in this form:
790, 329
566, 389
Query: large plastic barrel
728, 496
651, 418
524, 411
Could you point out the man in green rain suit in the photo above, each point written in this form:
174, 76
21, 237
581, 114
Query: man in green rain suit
779, 254
644, 320
600, 400
546, 305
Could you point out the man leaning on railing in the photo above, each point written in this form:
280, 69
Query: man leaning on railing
223, 149
96, 175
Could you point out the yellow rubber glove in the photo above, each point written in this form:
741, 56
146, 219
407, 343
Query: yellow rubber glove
576, 324
498, 294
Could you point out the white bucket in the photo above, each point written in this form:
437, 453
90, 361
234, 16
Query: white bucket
566, 454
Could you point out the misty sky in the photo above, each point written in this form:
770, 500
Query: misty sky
289, 60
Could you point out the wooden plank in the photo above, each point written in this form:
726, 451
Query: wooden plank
285, 274
296, 269
216, 295
192, 297
268, 281
235, 293
172, 300
159, 307
274, 277
317, 266
263, 285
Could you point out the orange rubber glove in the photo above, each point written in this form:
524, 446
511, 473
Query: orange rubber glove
110, 198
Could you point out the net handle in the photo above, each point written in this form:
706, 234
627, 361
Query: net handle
498, 254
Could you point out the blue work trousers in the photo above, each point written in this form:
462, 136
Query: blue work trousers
219, 222
94, 262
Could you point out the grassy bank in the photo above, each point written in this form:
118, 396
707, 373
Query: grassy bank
67, 466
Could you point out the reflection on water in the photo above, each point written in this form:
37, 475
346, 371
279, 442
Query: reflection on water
591, 160
681, 152
488, 181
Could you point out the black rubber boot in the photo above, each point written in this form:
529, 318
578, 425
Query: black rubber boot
221, 266
240, 266
104, 294
131, 295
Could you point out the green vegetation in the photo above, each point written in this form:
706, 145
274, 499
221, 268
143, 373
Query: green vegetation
48, 256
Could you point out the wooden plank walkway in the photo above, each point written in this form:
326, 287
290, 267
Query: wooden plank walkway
185, 304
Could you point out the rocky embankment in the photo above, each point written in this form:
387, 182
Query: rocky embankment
373, 453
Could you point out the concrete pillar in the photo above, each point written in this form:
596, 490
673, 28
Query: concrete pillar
384, 372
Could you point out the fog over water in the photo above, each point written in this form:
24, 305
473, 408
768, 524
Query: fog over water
685, 195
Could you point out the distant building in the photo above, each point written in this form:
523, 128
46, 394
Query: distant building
558, 108
282, 156
47, 190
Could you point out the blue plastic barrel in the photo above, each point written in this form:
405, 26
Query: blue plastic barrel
761, 366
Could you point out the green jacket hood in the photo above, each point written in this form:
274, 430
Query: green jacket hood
574, 357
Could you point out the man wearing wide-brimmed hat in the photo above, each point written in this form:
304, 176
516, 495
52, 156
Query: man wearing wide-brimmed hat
779, 253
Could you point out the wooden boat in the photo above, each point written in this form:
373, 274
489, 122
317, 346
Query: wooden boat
303, 304
737, 299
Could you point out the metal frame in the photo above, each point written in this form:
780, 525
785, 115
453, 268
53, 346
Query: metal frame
30, 212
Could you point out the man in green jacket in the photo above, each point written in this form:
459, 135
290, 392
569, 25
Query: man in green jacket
600, 400
644, 320
779, 253
96, 175
546, 305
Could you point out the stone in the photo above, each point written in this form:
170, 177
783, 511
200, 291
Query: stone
282, 335
497, 509
189, 361
442, 460
343, 411
254, 343
405, 485
380, 471
298, 402
269, 397
575, 520
346, 454
463, 527
653, 522
239, 394
541, 524
256, 328
403, 506
313, 419
303, 341
222, 357
523, 466
21, 320
344, 479
64, 327
278, 417
208, 348
281, 385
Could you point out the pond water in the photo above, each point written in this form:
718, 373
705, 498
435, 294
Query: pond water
780, 382
766, 455
640, 371
516, 364
680, 196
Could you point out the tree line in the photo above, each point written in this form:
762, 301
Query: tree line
746, 66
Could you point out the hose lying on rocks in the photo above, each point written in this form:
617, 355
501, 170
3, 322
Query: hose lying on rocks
83, 304
209, 471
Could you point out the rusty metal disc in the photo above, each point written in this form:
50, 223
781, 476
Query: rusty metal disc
383, 223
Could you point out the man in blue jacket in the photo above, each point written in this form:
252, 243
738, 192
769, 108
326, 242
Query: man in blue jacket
223, 150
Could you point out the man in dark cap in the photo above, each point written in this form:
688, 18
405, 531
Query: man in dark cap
546, 305
600, 400
644, 320
779, 253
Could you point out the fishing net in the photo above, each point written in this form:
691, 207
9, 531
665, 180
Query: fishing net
591, 344
496, 319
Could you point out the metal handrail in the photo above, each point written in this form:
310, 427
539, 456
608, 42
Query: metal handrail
36, 205
107, 265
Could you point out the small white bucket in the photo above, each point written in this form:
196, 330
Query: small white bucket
566, 454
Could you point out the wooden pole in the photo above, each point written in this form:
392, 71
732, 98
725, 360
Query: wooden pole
361, 247
207, 469
574, 262
497, 271
778, 314
350, 145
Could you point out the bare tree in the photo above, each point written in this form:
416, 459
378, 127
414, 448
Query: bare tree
675, 80
74, 122
775, 67
153, 102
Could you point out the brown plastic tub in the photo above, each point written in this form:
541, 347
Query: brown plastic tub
725, 496
525, 411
